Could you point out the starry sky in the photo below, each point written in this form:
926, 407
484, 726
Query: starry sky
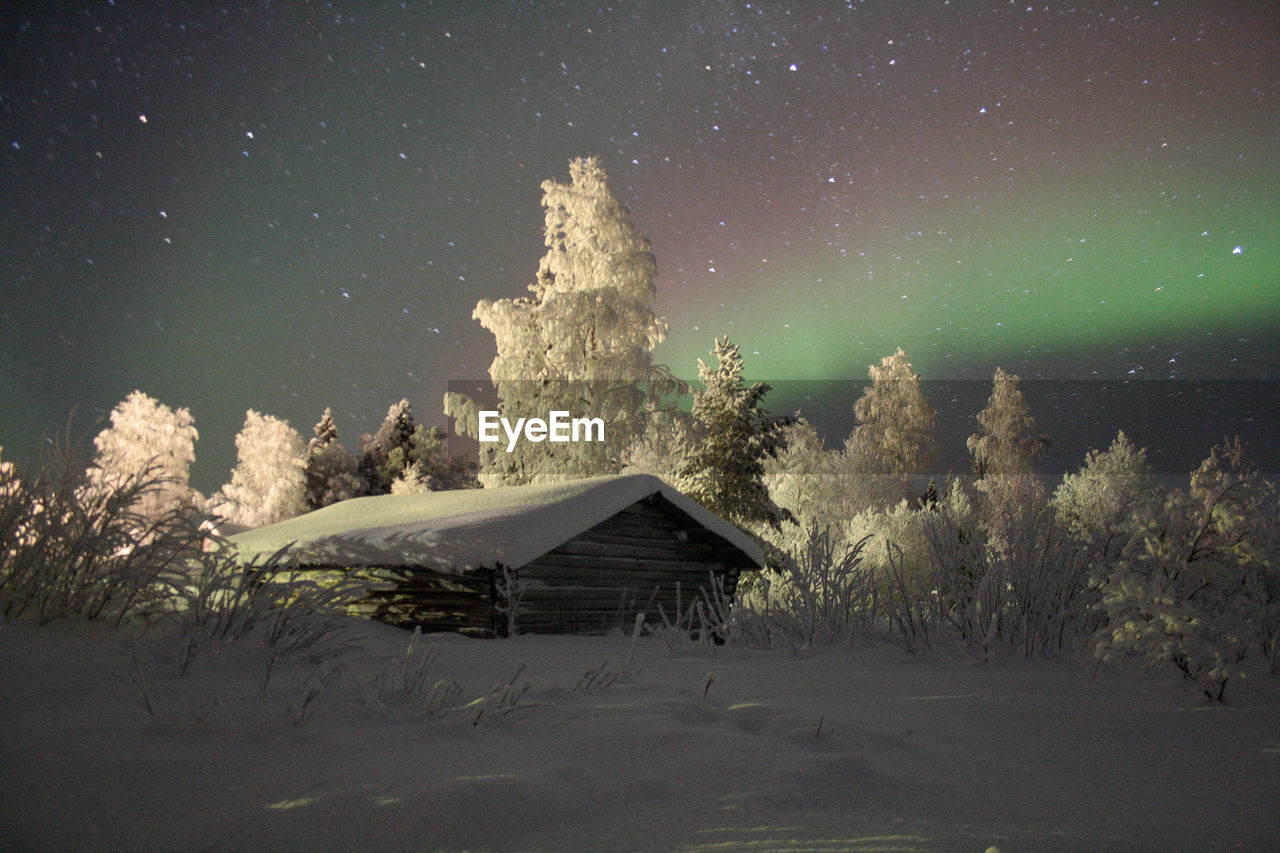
288, 206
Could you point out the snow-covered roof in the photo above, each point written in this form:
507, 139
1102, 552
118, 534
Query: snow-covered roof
453, 531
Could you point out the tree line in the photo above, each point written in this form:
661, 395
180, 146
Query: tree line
856, 536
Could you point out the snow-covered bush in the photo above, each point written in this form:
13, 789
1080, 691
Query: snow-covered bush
216, 598
1029, 595
820, 591
901, 527
88, 551
1198, 586
1097, 504
1174, 598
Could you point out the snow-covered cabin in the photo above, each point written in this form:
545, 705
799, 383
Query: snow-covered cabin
581, 556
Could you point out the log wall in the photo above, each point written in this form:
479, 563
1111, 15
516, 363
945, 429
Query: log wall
650, 558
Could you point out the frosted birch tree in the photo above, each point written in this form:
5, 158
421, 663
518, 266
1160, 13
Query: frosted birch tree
146, 435
268, 483
1003, 452
581, 343
895, 441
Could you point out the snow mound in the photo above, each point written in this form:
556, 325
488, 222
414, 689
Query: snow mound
455, 531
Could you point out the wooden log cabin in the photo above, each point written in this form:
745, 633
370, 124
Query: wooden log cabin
582, 556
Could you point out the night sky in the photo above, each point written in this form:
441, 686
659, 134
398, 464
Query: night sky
289, 206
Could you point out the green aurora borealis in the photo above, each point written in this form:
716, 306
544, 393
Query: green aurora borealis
1070, 286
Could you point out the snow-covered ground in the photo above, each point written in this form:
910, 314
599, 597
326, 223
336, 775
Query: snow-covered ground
671, 746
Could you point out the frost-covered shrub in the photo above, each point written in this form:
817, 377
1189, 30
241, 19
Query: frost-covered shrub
901, 554
89, 551
1045, 572
802, 479
216, 598
1173, 599
1197, 586
1097, 503
1030, 594
820, 590
902, 527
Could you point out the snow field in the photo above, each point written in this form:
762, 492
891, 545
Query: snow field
599, 743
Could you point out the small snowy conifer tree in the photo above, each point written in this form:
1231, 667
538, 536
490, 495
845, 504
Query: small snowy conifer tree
421, 471
581, 344
147, 435
330, 468
268, 483
724, 469
385, 456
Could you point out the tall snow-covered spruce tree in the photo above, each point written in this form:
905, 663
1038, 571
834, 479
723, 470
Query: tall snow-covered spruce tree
581, 343
724, 469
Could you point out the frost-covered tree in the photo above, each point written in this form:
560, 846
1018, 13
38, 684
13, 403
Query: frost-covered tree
724, 469
330, 470
1003, 451
1096, 503
426, 468
386, 454
895, 441
9, 482
802, 478
325, 432
268, 483
1247, 505
1198, 585
581, 344
147, 436
661, 450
